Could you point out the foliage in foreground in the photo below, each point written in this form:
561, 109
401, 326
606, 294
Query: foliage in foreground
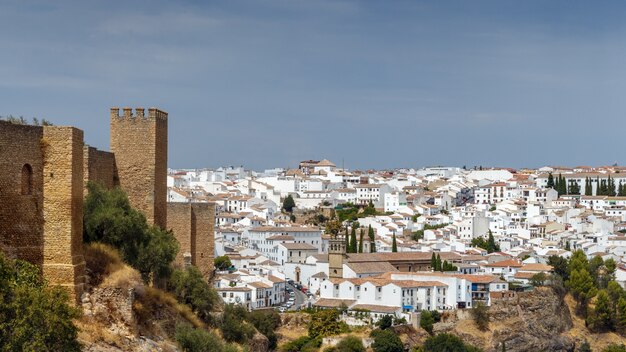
33, 316
192, 289
349, 343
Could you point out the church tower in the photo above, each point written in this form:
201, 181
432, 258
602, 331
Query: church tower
336, 256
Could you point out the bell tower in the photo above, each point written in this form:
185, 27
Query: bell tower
336, 256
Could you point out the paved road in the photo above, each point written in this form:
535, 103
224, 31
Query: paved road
300, 297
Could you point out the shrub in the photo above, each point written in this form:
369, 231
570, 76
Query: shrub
385, 322
234, 328
33, 316
222, 262
427, 321
302, 344
447, 343
109, 218
266, 322
326, 323
350, 344
386, 341
192, 289
197, 340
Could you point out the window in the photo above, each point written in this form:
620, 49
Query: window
27, 180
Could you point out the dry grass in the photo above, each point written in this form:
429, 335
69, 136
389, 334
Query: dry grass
101, 260
158, 312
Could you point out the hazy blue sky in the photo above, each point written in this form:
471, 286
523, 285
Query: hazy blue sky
379, 84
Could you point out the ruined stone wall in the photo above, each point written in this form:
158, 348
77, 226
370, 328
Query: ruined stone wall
204, 220
63, 262
21, 215
139, 143
179, 221
99, 166
193, 226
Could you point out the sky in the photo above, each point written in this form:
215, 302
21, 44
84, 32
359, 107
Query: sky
372, 84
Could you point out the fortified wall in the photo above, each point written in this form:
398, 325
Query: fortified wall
193, 226
43, 173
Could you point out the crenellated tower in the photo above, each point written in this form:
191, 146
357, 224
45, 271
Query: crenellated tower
139, 143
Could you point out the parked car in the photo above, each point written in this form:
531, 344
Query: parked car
304, 289
282, 309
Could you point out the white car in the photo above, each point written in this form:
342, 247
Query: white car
291, 299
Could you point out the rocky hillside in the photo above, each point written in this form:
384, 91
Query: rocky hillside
532, 321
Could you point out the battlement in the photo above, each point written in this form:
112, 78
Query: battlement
127, 114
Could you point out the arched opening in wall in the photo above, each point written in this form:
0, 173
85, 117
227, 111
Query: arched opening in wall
27, 179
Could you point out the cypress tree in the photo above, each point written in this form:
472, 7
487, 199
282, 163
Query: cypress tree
353, 244
361, 241
394, 245
588, 187
433, 261
370, 234
550, 181
438, 263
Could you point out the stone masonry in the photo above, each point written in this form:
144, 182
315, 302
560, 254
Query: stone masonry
139, 143
193, 226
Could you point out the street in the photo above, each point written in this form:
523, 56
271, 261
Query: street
300, 297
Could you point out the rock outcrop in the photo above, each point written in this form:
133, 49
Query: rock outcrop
529, 321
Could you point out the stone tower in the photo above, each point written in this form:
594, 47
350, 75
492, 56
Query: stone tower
336, 256
139, 143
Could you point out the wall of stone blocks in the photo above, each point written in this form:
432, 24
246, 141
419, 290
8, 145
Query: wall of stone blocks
21, 215
203, 218
179, 221
193, 225
63, 262
99, 166
139, 143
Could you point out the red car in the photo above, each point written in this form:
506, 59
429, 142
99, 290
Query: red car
304, 289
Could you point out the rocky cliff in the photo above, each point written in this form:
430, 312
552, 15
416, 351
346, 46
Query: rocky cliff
529, 321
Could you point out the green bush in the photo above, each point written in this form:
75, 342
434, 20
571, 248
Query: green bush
197, 340
447, 343
385, 322
33, 316
326, 323
427, 321
350, 344
302, 344
234, 327
109, 218
192, 289
480, 314
386, 341
222, 262
266, 322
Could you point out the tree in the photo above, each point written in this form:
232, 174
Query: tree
222, 262
538, 279
621, 314
199, 340
595, 269
385, 322
578, 261
447, 343
602, 319
492, 246
615, 292
109, 218
234, 328
353, 245
433, 262
394, 245
588, 187
350, 343
550, 180
386, 341
438, 263
370, 234
361, 234
448, 267
33, 316
333, 227
480, 314
325, 323
582, 288
192, 289
266, 322
427, 321
289, 204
